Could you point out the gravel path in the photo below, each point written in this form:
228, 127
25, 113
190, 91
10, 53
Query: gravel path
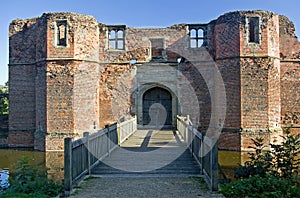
143, 187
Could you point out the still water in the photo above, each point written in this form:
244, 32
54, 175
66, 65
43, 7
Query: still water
53, 161
9, 157
4, 184
230, 160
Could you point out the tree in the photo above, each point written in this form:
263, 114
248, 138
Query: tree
4, 99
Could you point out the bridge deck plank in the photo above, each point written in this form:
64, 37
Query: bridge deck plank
149, 153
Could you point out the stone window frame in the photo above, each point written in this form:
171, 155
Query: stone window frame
116, 40
57, 40
200, 40
253, 30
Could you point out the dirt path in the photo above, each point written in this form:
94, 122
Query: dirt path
143, 187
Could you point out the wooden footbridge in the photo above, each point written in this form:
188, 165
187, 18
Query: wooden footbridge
121, 151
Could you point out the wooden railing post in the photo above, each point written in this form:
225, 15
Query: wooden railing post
214, 166
119, 133
201, 152
186, 135
86, 135
191, 141
67, 165
108, 140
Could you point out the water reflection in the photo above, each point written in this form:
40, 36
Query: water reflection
230, 160
10, 157
52, 161
4, 184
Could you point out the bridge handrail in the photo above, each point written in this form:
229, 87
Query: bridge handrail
83, 154
126, 129
203, 149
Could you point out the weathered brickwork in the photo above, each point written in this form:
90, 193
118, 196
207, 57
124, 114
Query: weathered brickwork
55, 164
289, 75
114, 99
4, 124
3, 130
70, 74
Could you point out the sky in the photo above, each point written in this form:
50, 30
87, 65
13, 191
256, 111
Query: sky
135, 13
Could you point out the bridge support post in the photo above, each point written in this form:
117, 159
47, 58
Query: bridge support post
67, 166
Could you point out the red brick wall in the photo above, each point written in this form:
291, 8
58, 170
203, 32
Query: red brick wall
3, 124
274, 99
55, 141
230, 140
22, 53
268, 28
230, 137
289, 75
40, 100
114, 93
27, 44
54, 51
290, 93
3, 130
230, 71
289, 44
85, 97
66, 90
227, 35
22, 104
19, 138
60, 79
55, 164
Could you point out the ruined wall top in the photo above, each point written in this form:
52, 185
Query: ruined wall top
72, 35
230, 16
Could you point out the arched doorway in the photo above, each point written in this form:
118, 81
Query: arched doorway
157, 108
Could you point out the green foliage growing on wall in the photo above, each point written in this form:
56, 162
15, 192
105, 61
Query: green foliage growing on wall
4, 100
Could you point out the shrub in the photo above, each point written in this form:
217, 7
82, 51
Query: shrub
32, 180
4, 101
264, 187
273, 173
286, 160
282, 160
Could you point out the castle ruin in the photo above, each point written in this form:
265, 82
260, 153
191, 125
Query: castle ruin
69, 74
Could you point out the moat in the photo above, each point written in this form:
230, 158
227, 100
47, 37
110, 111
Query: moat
53, 161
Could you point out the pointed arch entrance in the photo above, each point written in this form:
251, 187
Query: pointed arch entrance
157, 108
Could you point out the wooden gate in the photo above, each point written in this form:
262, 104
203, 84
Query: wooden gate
157, 108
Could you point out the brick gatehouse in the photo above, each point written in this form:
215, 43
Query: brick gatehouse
69, 74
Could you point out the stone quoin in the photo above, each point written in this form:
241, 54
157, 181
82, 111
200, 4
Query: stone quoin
69, 74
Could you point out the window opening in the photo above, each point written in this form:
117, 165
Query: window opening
253, 32
116, 37
61, 35
198, 37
